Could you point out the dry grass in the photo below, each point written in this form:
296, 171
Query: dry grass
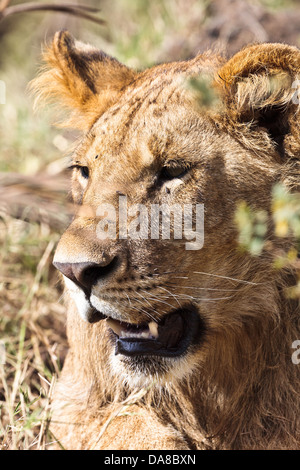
32, 330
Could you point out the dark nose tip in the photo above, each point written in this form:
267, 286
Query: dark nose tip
87, 274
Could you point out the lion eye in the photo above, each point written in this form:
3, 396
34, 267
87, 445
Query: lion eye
84, 170
176, 171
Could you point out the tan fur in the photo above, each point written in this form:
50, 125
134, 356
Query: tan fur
239, 389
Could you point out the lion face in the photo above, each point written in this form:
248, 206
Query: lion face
139, 285
151, 259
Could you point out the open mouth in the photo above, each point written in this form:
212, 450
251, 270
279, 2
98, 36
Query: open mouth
169, 337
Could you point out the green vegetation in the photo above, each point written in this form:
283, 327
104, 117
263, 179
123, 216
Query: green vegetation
260, 231
253, 225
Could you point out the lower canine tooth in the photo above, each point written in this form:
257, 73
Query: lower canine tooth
153, 329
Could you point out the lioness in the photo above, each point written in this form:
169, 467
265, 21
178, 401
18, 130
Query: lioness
173, 346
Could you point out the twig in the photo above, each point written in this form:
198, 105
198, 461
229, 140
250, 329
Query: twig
82, 11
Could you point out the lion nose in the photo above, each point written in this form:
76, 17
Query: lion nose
87, 274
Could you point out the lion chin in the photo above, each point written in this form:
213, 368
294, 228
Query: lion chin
156, 352
151, 353
179, 338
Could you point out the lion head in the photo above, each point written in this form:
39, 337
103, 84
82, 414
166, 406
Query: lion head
159, 291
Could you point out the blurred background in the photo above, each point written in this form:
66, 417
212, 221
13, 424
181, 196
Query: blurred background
34, 156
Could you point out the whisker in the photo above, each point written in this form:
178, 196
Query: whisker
140, 310
129, 301
226, 277
143, 297
137, 300
199, 288
170, 293
185, 296
242, 281
153, 297
149, 314
213, 300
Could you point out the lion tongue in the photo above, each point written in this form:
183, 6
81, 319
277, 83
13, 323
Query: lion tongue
171, 330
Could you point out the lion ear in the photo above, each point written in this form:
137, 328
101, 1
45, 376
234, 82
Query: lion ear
82, 78
259, 87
